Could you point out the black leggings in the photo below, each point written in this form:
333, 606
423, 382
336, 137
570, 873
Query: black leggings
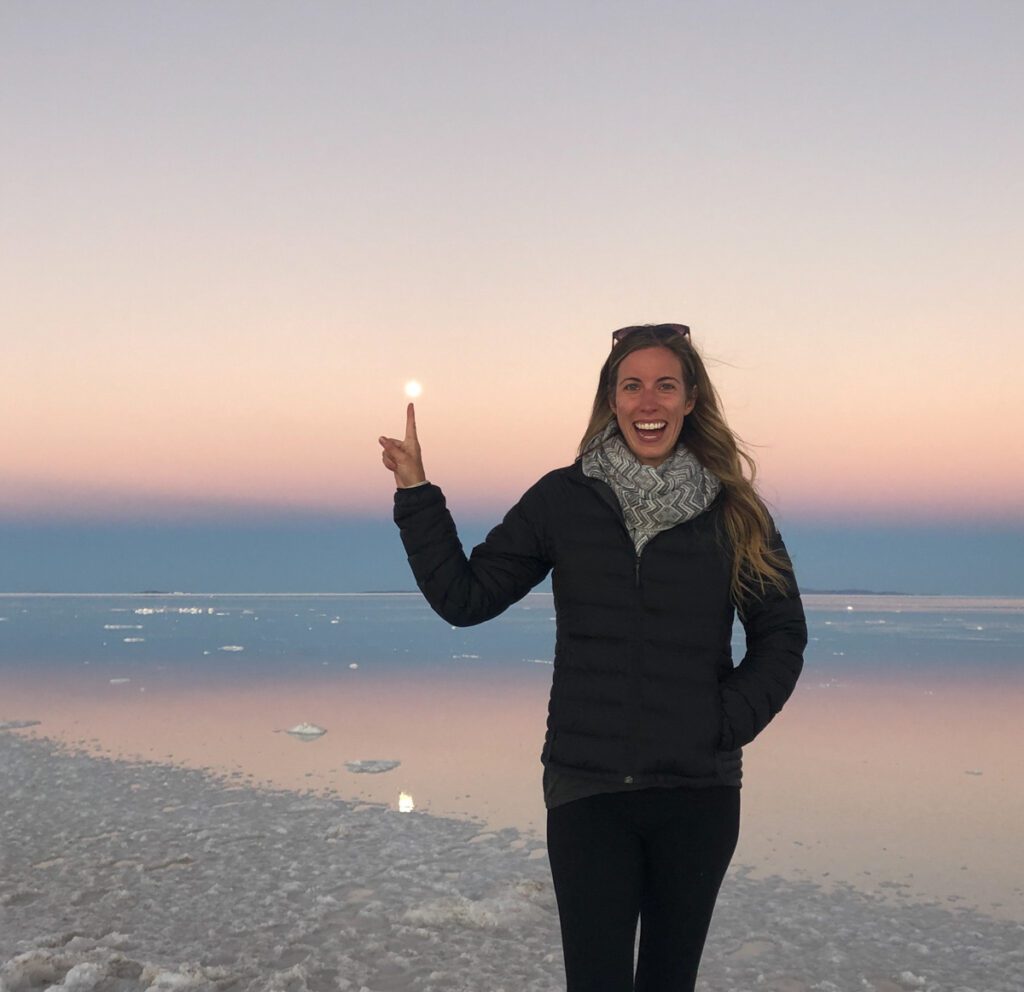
656, 854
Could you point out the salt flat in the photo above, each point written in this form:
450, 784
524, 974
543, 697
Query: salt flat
122, 876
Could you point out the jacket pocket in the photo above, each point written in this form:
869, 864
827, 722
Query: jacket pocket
725, 733
549, 740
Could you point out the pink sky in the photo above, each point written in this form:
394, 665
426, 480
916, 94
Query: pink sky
220, 269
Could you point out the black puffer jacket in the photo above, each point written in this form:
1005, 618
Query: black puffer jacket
644, 688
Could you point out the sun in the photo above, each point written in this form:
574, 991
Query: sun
413, 389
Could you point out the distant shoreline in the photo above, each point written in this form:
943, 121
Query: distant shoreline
181, 594
868, 592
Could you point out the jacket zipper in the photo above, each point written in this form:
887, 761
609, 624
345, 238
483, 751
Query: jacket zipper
604, 490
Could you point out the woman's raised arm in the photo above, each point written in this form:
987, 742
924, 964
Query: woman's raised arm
512, 559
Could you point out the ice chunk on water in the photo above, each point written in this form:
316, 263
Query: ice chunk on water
372, 766
307, 731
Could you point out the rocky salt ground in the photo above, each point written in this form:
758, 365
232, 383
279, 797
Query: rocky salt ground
121, 877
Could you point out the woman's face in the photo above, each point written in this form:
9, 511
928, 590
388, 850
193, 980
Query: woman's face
650, 403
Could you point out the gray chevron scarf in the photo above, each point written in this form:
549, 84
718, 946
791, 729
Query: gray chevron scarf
652, 499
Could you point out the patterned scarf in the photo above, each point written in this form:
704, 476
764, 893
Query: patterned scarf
652, 499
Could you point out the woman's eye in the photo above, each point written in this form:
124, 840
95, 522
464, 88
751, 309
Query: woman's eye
668, 386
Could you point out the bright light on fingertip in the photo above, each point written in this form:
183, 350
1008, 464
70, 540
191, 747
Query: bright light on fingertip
413, 389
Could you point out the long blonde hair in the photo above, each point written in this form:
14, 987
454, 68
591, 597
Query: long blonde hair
748, 527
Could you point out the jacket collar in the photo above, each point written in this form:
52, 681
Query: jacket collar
597, 485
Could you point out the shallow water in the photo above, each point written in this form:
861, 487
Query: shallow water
892, 770
294, 633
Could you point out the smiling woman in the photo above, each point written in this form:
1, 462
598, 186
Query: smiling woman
647, 714
653, 371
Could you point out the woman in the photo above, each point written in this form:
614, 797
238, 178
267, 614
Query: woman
655, 538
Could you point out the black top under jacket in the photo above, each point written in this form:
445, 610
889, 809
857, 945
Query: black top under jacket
644, 690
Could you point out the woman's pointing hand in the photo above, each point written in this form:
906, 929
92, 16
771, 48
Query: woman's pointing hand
404, 457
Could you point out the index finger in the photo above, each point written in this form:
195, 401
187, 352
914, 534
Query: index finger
410, 423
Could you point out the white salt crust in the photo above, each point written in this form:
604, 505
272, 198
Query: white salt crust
117, 877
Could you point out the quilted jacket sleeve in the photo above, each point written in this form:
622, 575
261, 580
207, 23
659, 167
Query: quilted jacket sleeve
760, 684
499, 572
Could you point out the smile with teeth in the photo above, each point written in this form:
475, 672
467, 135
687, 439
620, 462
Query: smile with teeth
650, 425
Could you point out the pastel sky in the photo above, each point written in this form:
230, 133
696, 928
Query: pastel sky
232, 231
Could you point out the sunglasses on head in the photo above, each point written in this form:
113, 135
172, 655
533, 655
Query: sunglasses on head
664, 331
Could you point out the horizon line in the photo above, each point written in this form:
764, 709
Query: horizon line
155, 593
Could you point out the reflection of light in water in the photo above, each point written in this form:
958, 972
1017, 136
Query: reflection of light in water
405, 803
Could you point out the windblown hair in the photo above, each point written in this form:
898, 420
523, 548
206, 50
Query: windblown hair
748, 527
